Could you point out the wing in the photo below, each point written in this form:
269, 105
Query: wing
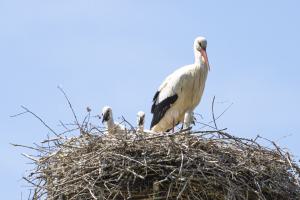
164, 98
160, 109
168, 93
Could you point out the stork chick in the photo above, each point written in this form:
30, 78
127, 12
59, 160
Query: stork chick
108, 121
181, 91
140, 121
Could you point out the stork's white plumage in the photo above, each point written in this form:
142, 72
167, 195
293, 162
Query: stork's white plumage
181, 91
188, 120
108, 120
140, 121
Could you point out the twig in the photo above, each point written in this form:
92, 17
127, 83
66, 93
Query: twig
124, 120
30, 157
70, 105
213, 113
28, 111
21, 113
24, 146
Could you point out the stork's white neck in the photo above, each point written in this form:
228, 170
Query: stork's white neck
199, 60
110, 123
140, 128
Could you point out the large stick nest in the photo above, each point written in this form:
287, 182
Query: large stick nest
205, 165
210, 165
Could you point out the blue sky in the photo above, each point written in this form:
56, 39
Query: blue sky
118, 52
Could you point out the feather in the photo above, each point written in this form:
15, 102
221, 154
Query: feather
160, 109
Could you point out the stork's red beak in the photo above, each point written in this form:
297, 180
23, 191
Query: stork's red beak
204, 54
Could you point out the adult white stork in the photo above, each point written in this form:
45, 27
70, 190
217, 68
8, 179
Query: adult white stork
181, 92
108, 121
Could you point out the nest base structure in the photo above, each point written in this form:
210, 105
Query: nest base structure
184, 165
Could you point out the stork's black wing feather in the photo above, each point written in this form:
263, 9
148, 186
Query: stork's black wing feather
160, 109
155, 96
154, 101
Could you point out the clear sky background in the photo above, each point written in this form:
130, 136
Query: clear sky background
118, 52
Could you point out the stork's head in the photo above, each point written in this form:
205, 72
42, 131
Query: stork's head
140, 118
106, 114
200, 47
